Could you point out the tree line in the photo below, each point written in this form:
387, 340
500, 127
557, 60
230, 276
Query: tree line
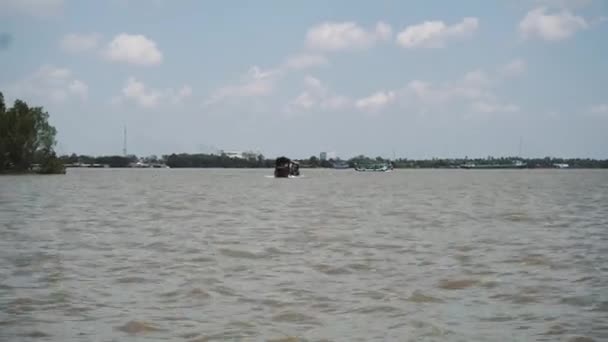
201, 160
532, 163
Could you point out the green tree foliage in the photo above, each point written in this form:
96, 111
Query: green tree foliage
110, 161
212, 160
27, 138
313, 161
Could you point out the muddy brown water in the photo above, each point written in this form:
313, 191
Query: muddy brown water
336, 255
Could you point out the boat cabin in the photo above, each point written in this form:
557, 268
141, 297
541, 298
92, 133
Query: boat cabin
285, 167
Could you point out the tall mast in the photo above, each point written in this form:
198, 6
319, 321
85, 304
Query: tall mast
124, 142
520, 143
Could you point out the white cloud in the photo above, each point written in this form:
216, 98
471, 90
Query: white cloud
474, 89
314, 84
133, 49
477, 78
304, 100
514, 68
305, 61
335, 36
436, 34
599, 110
486, 107
50, 83
75, 42
136, 91
383, 31
78, 88
471, 87
308, 101
183, 93
317, 96
376, 101
253, 88
257, 82
419, 89
145, 97
260, 82
538, 23
257, 73
31, 7
477, 88
336, 102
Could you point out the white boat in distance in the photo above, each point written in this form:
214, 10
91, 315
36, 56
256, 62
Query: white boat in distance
383, 167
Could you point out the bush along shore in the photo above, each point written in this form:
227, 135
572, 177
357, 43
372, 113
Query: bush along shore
27, 140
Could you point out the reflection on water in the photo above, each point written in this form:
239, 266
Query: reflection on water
213, 255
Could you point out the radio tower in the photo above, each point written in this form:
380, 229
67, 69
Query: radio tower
124, 142
520, 143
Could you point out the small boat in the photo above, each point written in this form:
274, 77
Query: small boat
285, 168
383, 167
513, 165
340, 165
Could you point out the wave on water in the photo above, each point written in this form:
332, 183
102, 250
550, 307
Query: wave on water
290, 177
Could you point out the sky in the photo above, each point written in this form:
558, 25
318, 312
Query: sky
404, 78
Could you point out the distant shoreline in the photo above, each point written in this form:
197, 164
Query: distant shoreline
327, 168
255, 161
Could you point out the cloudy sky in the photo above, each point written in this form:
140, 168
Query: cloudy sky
430, 78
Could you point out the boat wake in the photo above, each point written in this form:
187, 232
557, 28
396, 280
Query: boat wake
272, 176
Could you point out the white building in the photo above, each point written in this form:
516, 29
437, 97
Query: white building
233, 154
240, 154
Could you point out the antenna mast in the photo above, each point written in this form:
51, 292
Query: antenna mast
124, 142
520, 143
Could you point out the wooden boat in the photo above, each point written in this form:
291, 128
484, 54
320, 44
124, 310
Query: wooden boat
285, 167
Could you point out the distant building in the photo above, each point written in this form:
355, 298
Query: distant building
323, 156
240, 154
233, 154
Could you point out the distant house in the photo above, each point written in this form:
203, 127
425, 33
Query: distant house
240, 155
233, 154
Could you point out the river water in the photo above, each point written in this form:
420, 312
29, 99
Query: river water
336, 255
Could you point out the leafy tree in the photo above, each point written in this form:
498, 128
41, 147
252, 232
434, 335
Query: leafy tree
313, 161
327, 163
26, 137
151, 159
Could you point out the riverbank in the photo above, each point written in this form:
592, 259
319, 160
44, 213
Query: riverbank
200, 160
